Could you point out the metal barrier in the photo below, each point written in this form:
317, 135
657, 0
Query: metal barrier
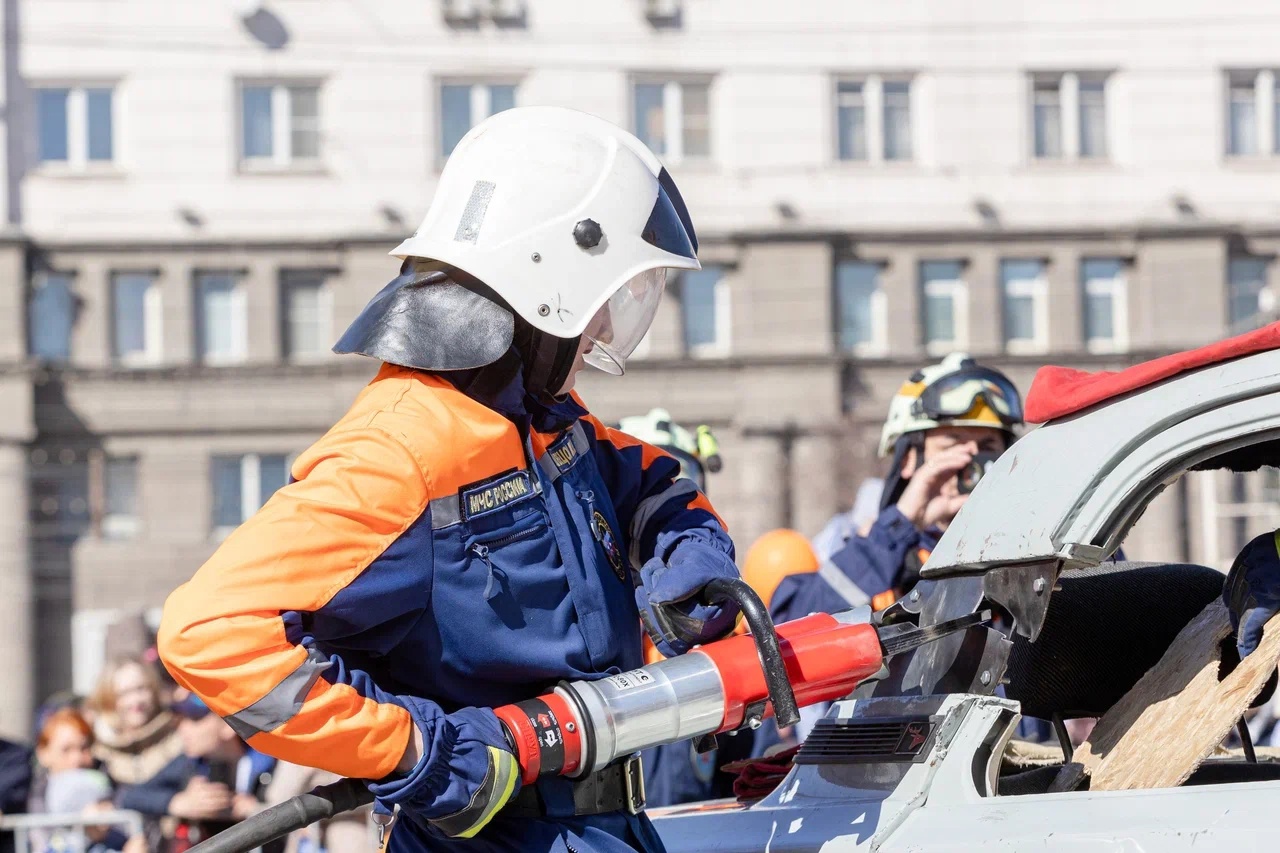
22, 824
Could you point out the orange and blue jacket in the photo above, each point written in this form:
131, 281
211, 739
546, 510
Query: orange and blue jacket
428, 545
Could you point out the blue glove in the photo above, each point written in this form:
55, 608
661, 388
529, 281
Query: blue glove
669, 597
1252, 590
465, 775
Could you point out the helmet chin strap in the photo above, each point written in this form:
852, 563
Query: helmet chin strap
547, 361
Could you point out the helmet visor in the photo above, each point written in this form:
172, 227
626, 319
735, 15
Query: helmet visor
669, 227
621, 323
956, 395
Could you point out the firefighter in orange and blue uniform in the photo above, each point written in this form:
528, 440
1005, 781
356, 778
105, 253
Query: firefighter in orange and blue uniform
468, 534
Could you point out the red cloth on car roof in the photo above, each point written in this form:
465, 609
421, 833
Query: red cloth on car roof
1059, 391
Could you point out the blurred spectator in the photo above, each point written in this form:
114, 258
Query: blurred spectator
82, 792
56, 702
211, 785
350, 832
15, 784
136, 736
65, 743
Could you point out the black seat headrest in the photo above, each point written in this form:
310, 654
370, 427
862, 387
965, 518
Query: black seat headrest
1105, 627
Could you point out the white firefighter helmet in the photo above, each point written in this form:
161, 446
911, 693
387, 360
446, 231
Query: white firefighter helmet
956, 392
572, 221
697, 452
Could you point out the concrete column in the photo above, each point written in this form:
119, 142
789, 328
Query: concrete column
900, 279
16, 629
1066, 326
92, 336
13, 302
759, 503
814, 485
262, 290
985, 302
177, 306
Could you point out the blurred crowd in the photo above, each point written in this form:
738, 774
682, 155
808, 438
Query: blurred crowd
142, 744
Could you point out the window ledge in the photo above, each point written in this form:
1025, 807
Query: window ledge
1074, 166
61, 171
877, 165
306, 169
1252, 162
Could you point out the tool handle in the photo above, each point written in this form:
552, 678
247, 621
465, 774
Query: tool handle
785, 710
293, 814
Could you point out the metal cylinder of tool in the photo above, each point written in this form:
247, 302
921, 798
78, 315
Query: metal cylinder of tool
669, 701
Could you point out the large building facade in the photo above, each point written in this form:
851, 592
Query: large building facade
199, 197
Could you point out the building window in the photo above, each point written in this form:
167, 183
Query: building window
51, 314
308, 314
1026, 297
1069, 116
897, 120
704, 309
1092, 99
851, 120
860, 308
873, 119
1105, 296
673, 117
221, 319
279, 125
1253, 122
242, 484
464, 105
74, 126
944, 301
136, 318
120, 497
1249, 302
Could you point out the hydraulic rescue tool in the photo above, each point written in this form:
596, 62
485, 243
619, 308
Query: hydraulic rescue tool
583, 726
580, 727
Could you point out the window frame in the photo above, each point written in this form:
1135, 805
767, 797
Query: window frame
1118, 288
1038, 290
291, 278
1236, 325
673, 120
1266, 135
874, 106
251, 499
240, 319
1070, 127
481, 97
113, 526
32, 287
878, 346
958, 290
282, 158
78, 161
722, 308
152, 321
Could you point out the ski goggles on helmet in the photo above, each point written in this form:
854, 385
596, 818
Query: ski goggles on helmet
954, 396
621, 323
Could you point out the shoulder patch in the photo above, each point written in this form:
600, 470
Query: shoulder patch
494, 493
565, 452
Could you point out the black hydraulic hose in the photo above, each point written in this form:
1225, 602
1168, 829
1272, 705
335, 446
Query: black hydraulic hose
320, 803
785, 711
